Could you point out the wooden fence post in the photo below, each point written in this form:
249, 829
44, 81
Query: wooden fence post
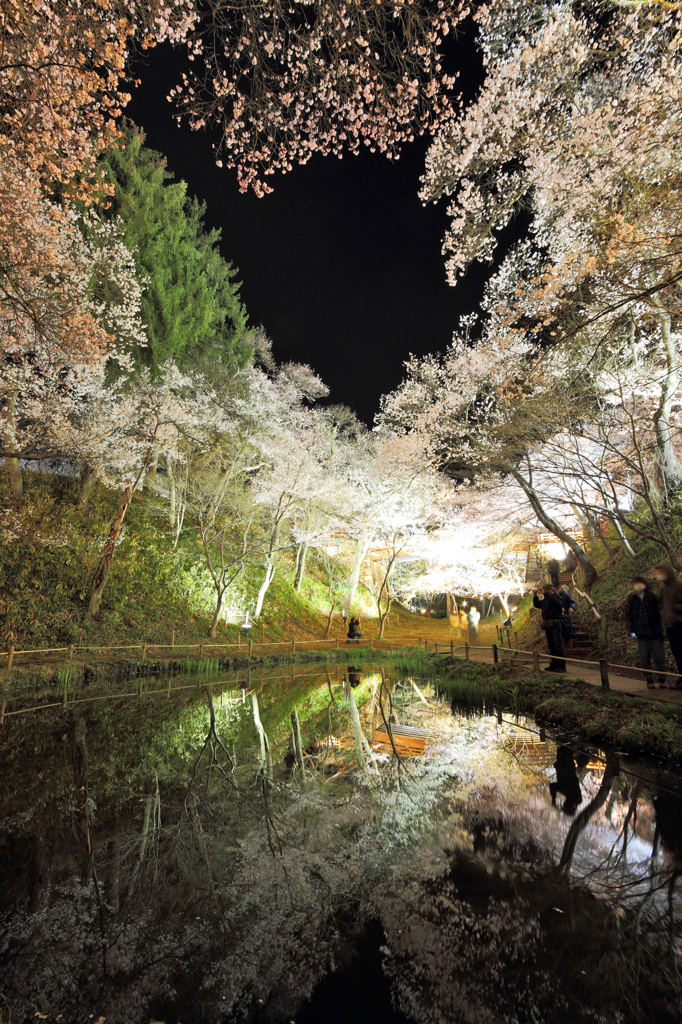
250, 647
604, 669
173, 638
80, 637
2, 712
495, 655
536, 661
70, 652
452, 648
371, 640
293, 646
426, 646
201, 650
436, 647
10, 657
144, 650
337, 642
466, 649
420, 641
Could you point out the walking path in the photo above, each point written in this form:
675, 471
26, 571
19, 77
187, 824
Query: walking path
588, 672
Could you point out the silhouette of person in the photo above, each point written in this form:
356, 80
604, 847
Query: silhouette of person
567, 782
354, 677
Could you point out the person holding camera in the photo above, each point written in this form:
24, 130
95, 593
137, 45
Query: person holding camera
552, 611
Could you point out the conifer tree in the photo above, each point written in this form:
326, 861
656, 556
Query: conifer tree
191, 306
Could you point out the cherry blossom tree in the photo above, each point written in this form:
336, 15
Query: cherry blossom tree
283, 81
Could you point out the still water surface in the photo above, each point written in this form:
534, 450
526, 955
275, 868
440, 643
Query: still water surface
262, 848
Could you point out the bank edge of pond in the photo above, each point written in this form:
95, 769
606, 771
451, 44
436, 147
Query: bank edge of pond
82, 672
630, 724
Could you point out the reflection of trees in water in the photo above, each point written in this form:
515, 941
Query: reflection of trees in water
240, 883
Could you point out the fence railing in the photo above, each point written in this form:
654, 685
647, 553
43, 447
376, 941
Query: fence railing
201, 647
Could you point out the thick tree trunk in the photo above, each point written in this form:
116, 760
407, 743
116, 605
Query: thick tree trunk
361, 546
102, 572
671, 471
87, 477
300, 566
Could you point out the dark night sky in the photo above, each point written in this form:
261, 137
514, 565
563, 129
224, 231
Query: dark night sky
341, 264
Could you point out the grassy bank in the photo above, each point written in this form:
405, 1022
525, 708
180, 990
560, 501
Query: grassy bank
631, 724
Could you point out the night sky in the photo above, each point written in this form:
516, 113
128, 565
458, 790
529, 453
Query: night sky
341, 264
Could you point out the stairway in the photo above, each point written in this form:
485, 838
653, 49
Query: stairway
534, 567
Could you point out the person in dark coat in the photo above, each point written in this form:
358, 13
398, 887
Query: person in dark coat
670, 599
354, 629
567, 781
644, 618
568, 631
552, 612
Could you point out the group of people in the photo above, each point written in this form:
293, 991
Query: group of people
557, 606
654, 617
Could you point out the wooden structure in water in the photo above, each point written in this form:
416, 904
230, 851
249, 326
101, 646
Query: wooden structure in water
408, 741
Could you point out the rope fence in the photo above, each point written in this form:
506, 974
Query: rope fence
250, 646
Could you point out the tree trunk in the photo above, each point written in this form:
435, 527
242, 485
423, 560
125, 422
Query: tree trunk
12, 465
81, 809
583, 818
142, 846
172, 502
300, 567
553, 527
329, 618
216, 615
102, 572
86, 481
296, 734
671, 472
269, 575
361, 546
357, 729
383, 618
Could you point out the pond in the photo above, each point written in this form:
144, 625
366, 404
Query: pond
326, 845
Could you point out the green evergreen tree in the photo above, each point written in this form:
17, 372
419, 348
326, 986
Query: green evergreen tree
191, 304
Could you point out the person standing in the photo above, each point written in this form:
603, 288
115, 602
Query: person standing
568, 631
552, 611
473, 619
646, 626
670, 598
